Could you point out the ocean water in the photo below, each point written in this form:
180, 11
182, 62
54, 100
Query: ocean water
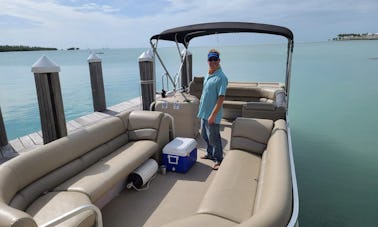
333, 110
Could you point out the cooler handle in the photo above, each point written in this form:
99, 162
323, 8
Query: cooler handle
173, 159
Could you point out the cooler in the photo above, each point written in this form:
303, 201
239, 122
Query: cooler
184, 113
180, 154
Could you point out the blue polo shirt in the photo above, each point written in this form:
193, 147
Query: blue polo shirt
214, 85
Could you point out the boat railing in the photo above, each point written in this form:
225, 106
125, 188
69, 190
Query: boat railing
175, 89
164, 75
295, 212
75, 212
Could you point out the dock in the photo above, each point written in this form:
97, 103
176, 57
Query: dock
51, 109
29, 142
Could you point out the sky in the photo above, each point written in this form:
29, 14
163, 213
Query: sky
130, 23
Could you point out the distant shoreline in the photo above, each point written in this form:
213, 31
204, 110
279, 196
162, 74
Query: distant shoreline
8, 48
356, 36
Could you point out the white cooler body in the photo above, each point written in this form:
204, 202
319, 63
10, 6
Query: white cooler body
180, 154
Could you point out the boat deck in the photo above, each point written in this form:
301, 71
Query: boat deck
169, 197
29, 142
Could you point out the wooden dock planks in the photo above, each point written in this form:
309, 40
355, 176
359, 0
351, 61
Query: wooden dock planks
29, 142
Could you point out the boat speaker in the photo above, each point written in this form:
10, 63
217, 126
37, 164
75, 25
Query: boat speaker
143, 174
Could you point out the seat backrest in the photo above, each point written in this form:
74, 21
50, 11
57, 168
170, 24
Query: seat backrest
43, 168
273, 202
195, 86
250, 134
144, 125
148, 125
251, 92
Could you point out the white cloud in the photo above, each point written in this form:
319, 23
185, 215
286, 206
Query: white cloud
89, 7
60, 25
89, 24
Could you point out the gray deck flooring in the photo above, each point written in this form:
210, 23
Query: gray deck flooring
169, 197
29, 142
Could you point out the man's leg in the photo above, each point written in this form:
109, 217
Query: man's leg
205, 135
216, 141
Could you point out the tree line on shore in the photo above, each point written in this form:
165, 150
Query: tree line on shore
7, 48
352, 34
357, 36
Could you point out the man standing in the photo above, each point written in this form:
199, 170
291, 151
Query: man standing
211, 108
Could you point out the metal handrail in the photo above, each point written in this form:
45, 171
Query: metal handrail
289, 57
175, 79
295, 212
75, 212
164, 75
154, 48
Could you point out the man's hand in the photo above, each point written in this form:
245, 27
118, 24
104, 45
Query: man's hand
217, 107
211, 119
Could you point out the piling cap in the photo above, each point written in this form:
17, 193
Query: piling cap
93, 58
146, 56
45, 65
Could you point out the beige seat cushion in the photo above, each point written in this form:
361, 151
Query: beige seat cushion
233, 104
54, 204
201, 220
260, 106
103, 175
232, 193
250, 134
273, 203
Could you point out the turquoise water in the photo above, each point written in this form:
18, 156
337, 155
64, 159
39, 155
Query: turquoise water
333, 111
334, 119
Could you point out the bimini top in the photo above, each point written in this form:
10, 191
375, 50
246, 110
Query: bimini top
184, 34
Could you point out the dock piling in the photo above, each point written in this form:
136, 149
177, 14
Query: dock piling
147, 78
53, 122
97, 83
3, 133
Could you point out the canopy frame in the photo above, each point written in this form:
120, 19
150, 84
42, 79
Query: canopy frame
183, 35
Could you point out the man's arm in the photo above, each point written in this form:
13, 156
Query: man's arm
216, 109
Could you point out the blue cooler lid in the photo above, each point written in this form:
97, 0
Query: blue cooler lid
180, 146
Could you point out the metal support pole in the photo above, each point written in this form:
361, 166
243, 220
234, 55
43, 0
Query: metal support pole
147, 78
53, 122
3, 133
186, 71
97, 83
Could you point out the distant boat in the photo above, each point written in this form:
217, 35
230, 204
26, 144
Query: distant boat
73, 48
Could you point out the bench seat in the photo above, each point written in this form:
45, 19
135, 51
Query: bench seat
51, 205
89, 166
234, 189
202, 220
106, 173
234, 104
252, 100
252, 187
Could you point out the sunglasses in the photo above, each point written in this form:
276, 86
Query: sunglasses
213, 59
